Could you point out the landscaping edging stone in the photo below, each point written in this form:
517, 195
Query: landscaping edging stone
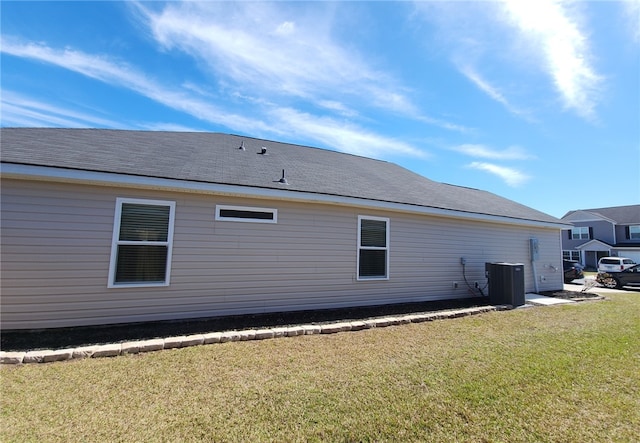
135, 347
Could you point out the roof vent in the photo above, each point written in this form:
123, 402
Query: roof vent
283, 180
241, 146
263, 151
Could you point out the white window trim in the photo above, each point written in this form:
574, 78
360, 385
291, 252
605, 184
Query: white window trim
580, 230
631, 234
115, 242
572, 252
246, 208
359, 247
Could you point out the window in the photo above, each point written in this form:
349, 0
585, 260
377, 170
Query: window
373, 248
580, 233
245, 214
571, 255
634, 232
142, 243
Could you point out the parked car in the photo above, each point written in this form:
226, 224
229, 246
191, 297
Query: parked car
614, 264
616, 280
572, 270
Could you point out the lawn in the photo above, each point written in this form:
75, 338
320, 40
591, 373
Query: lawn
562, 373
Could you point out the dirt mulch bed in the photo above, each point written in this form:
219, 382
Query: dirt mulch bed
61, 338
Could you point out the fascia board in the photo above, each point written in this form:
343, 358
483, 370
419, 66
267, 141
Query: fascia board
587, 216
45, 173
592, 243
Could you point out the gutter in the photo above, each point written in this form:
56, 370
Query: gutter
45, 173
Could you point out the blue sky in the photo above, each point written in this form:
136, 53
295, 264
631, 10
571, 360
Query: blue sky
536, 101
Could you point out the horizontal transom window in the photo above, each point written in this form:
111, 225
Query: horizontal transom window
246, 214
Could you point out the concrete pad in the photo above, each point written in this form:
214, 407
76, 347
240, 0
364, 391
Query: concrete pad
542, 300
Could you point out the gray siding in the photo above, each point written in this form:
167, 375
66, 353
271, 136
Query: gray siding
601, 230
56, 244
621, 235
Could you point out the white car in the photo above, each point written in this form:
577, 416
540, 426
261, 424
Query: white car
614, 264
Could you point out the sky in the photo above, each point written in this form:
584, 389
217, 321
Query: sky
536, 101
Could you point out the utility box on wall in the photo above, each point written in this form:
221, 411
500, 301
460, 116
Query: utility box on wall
506, 283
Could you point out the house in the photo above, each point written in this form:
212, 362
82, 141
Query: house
602, 232
112, 226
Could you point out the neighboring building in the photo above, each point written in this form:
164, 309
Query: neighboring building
109, 226
602, 232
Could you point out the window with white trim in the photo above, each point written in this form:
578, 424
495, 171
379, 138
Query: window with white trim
246, 214
634, 232
142, 243
571, 255
373, 248
580, 233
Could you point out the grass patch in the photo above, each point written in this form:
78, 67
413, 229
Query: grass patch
562, 373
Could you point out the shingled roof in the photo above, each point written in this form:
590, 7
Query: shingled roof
215, 158
621, 215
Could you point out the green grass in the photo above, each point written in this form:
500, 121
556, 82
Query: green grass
562, 374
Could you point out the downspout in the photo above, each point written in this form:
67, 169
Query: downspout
533, 255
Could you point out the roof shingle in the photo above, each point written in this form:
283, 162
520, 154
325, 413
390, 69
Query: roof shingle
216, 158
621, 215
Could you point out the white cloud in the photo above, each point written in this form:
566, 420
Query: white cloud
279, 53
18, 110
159, 126
511, 176
342, 136
121, 74
632, 16
339, 107
286, 28
554, 30
257, 47
516, 39
481, 151
268, 119
491, 91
